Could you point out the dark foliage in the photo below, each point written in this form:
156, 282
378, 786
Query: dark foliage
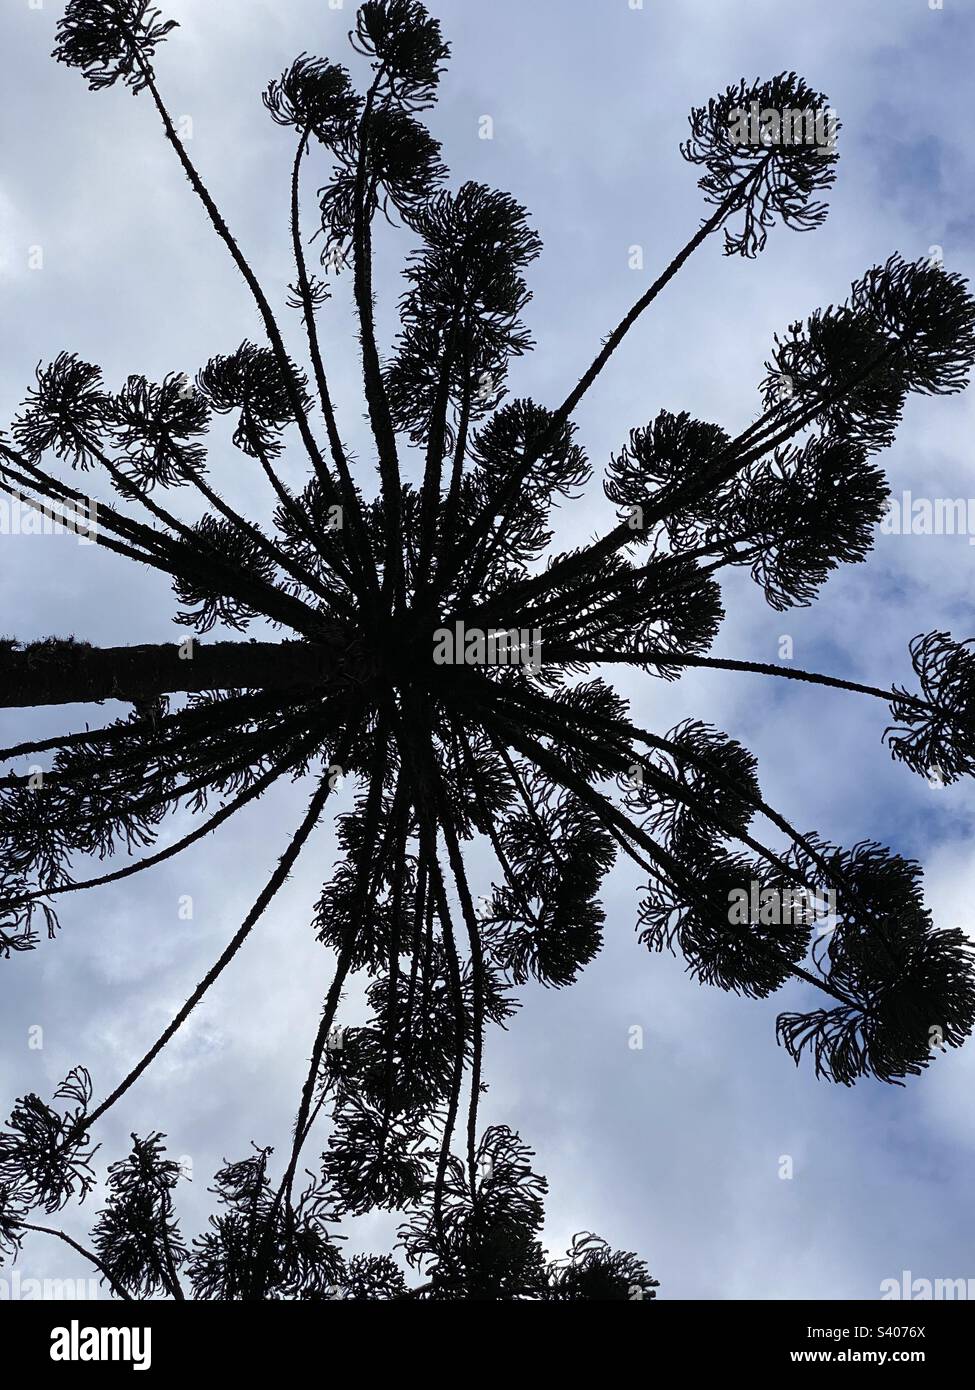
775, 178
252, 381
158, 428
65, 412
136, 1234
111, 39
45, 1154
936, 735
317, 96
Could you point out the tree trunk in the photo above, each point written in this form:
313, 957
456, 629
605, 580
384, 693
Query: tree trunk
57, 672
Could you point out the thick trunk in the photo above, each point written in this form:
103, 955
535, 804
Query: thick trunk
64, 673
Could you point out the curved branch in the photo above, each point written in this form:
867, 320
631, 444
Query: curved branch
250, 794
269, 891
92, 1259
656, 656
226, 236
364, 561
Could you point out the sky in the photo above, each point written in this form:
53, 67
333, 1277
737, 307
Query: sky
674, 1150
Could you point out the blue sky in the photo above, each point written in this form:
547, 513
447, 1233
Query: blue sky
674, 1150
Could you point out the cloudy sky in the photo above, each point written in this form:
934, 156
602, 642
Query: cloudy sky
673, 1150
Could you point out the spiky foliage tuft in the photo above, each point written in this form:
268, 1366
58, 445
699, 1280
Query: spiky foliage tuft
111, 39
935, 734
769, 148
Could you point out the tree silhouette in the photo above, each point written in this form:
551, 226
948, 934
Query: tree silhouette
436, 652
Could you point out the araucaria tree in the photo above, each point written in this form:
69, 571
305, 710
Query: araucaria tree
430, 647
